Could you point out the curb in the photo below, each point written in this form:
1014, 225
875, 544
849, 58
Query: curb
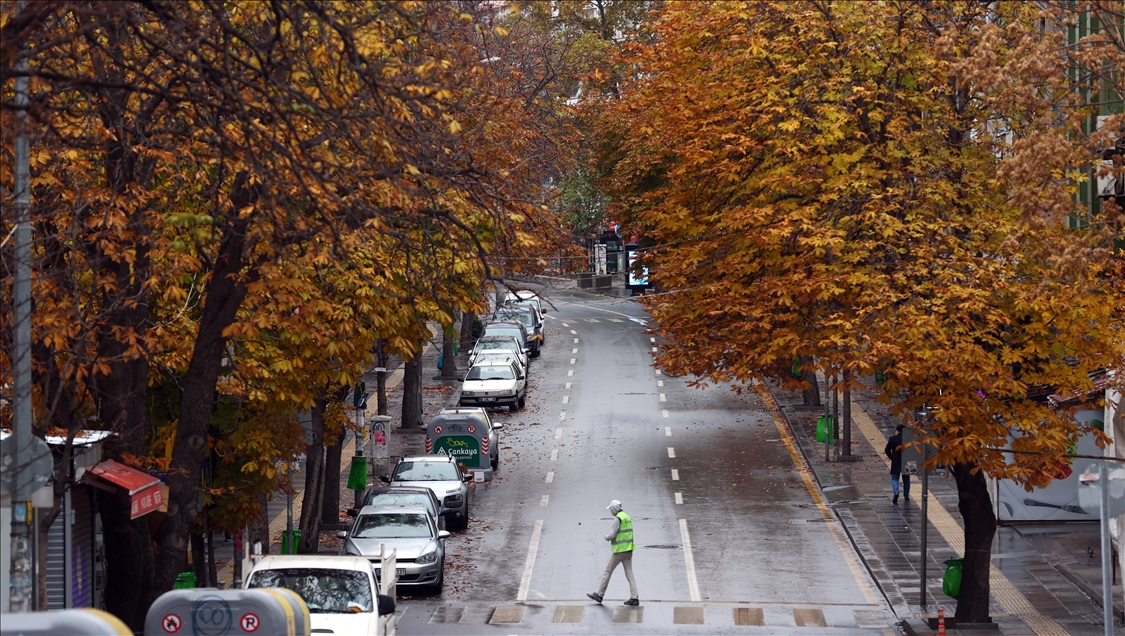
1094, 593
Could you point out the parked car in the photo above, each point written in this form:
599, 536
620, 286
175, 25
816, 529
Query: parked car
513, 328
482, 417
405, 496
442, 475
530, 319
502, 355
340, 591
499, 343
527, 298
492, 382
412, 532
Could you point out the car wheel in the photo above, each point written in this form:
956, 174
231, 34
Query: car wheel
522, 401
496, 461
436, 587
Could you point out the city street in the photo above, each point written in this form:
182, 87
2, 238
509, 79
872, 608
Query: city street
731, 535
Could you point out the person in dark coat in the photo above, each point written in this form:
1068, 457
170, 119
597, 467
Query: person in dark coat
894, 453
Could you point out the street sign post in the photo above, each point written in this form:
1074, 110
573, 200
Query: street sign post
1102, 493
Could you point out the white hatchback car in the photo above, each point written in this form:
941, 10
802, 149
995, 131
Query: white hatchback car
340, 591
495, 382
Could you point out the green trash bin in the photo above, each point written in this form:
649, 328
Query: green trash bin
824, 428
184, 581
951, 582
289, 543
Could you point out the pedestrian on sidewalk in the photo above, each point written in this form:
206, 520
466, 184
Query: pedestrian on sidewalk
621, 543
894, 453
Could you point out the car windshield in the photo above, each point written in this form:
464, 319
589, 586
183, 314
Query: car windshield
522, 316
402, 499
325, 590
426, 471
502, 345
503, 331
498, 372
397, 525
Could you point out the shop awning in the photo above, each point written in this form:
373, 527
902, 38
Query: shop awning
144, 490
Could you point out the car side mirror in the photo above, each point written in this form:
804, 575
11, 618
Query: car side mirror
468, 477
498, 426
526, 351
352, 512
385, 604
343, 534
385, 479
444, 534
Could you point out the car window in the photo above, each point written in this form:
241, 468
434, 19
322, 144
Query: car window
503, 331
395, 525
522, 316
402, 499
491, 372
426, 471
324, 590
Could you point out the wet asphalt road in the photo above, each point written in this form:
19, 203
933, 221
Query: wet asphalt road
730, 538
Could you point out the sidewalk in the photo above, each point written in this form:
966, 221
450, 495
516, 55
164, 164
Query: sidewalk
1039, 572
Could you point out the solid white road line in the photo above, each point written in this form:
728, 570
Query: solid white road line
665, 412
689, 562
550, 477
558, 433
570, 373
675, 475
566, 399
671, 453
679, 498
567, 385
663, 398
667, 431
532, 550
546, 498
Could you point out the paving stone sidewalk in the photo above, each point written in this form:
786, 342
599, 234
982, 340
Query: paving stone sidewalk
1039, 572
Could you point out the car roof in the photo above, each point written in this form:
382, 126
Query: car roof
429, 458
493, 360
326, 562
388, 508
408, 490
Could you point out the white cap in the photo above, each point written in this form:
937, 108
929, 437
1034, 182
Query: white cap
612, 504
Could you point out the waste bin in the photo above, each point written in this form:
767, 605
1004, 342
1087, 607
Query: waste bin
289, 543
184, 581
951, 582
824, 427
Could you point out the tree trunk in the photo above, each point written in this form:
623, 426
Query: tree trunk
980, 528
330, 504
198, 558
467, 320
846, 416
810, 395
223, 295
412, 392
449, 345
314, 483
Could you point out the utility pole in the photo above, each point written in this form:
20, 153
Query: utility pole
20, 589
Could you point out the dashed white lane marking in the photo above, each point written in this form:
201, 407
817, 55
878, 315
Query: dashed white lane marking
562, 415
573, 360
675, 475
551, 317
679, 498
558, 433
658, 372
576, 341
566, 399
529, 565
570, 373
567, 385
652, 340
660, 383
554, 454
665, 412
616, 320
550, 476
667, 431
546, 498
654, 349
671, 453
592, 320
574, 332
565, 324
689, 562
574, 350
663, 398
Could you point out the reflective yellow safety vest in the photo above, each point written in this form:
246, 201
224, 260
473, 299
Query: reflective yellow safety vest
623, 541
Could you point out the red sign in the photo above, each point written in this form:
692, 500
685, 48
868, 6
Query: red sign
146, 501
472, 428
380, 437
250, 622
438, 429
171, 623
237, 542
130, 479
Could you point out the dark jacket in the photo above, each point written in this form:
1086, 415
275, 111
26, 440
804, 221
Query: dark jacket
894, 453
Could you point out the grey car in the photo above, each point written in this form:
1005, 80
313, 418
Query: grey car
412, 533
530, 319
513, 328
405, 496
440, 474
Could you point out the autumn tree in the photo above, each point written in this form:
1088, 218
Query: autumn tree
843, 183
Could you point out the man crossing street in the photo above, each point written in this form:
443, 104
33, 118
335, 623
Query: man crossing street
621, 544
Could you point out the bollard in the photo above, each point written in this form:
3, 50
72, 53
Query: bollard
941, 621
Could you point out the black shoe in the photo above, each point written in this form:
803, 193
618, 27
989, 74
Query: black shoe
633, 601
894, 499
906, 497
597, 597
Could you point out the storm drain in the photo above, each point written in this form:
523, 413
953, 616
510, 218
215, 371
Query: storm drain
809, 618
749, 616
687, 615
568, 614
662, 546
447, 614
506, 614
628, 614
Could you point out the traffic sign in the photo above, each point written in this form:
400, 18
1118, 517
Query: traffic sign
249, 622
171, 623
